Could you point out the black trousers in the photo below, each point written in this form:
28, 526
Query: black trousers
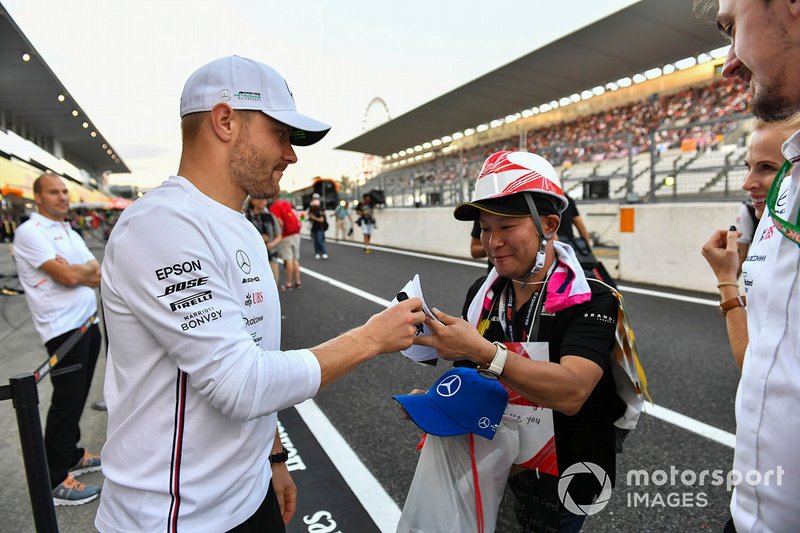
62, 430
267, 519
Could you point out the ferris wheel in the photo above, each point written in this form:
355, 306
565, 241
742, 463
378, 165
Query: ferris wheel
377, 113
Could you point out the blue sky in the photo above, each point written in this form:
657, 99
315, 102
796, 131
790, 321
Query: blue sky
125, 61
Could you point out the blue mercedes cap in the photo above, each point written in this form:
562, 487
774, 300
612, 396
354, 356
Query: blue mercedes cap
460, 402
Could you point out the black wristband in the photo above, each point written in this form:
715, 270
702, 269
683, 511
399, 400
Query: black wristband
280, 457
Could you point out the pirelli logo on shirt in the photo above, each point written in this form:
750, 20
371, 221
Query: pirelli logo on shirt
190, 301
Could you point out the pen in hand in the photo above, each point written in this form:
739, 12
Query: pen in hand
403, 296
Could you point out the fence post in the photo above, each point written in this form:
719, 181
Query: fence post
653, 155
26, 404
629, 181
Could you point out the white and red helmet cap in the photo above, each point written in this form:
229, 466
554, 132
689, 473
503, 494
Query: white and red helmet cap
504, 176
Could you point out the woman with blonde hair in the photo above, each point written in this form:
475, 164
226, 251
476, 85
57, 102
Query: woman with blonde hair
763, 160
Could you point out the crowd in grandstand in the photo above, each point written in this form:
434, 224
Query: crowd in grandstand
667, 120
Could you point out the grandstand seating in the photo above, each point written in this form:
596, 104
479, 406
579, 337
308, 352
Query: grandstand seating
693, 133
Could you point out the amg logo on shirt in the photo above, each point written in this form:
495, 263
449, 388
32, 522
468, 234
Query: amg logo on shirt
190, 301
188, 284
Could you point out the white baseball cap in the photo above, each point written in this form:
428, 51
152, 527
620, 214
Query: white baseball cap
246, 84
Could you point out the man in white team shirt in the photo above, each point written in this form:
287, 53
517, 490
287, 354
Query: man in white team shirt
765, 50
195, 374
59, 275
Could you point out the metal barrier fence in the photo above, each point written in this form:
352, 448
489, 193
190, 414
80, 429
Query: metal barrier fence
680, 162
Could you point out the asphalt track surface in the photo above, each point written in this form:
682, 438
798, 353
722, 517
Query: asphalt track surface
358, 452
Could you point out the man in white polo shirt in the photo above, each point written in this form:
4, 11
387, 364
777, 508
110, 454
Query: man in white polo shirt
59, 275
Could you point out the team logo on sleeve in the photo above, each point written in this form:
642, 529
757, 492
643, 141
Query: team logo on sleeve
177, 269
190, 301
200, 318
183, 285
243, 261
253, 298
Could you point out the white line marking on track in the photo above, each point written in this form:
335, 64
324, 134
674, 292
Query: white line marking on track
378, 504
690, 424
478, 264
658, 294
411, 254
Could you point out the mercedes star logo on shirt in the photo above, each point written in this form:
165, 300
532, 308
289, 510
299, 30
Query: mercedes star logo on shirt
243, 261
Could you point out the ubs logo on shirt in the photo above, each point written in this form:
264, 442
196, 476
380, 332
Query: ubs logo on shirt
254, 298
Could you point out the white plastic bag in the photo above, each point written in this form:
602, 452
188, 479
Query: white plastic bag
442, 497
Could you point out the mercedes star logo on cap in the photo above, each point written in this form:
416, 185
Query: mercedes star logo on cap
449, 386
243, 261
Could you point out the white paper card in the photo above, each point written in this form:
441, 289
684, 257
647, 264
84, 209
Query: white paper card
420, 354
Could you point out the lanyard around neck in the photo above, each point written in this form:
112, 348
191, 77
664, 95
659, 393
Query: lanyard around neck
511, 314
787, 229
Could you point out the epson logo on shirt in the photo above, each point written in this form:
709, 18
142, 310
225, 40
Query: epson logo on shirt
177, 269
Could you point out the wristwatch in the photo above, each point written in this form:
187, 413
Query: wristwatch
733, 303
494, 369
280, 457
